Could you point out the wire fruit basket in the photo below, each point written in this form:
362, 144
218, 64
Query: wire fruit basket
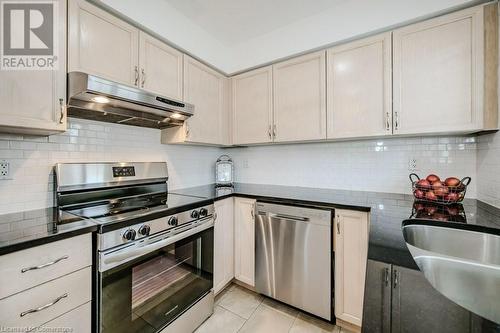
432, 189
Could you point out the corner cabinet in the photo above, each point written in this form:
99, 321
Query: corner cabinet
252, 101
244, 240
351, 250
299, 88
445, 73
359, 95
33, 101
208, 90
223, 243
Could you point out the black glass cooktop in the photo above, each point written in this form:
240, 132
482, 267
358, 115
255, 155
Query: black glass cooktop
126, 208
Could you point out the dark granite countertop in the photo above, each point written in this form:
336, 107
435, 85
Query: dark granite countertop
387, 212
27, 229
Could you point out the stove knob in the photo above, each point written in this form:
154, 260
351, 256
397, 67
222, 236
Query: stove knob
195, 214
203, 212
144, 230
173, 221
129, 235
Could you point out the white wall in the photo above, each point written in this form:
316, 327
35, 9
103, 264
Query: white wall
372, 165
488, 169
33, 157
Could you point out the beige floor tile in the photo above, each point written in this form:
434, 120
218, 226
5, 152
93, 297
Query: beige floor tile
309, 324
222, 321
268, 320
278, 306
223, 292
240, 301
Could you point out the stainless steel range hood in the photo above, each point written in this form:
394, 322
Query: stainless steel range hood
95, 98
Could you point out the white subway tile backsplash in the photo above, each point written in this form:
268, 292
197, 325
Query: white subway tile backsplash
33, 157
488, 169
369, 165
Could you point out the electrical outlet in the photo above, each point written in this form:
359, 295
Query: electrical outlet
412, 164
4, 169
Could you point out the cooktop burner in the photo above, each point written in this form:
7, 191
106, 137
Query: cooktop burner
120, 209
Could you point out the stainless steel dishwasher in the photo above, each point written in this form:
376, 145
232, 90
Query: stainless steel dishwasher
293, 256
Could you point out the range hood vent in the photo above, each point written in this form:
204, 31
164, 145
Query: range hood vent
95, 98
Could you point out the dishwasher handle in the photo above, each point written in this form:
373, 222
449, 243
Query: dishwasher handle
289, 217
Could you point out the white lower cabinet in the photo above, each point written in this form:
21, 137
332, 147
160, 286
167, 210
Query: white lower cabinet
75, 321
223, 244
39, 305
244, 240
351, 249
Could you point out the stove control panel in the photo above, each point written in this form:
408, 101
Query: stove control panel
125, 171
195, 214
144, 230
129, 235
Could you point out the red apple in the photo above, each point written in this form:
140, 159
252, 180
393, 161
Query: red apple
433, 178
431, 196
419, 194
452, 181
451, 197
431, 209
423, 184
441, 191
453, 211
437, 185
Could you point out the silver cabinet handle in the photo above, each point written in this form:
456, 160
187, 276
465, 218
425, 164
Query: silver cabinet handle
143, 74
136, 71
215, 217
269, 133
43, 307
396, 279
387, 123
187, 130
274, 131
61, 108
24, 270
338, 224
386, 276
396, 120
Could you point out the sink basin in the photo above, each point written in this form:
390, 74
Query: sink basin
463, 265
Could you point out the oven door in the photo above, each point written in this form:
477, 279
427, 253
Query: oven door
148, 292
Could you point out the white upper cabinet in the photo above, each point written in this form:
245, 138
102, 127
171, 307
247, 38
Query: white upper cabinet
252, 101
299, 88
207, 90
441, 73
160, 67
360, 88
33, 101
101, 44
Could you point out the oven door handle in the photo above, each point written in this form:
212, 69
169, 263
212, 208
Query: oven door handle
115, 258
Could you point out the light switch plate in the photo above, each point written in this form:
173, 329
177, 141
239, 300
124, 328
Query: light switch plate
5, 170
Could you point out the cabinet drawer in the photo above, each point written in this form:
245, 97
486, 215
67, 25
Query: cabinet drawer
47, 301
75, 321
43, 263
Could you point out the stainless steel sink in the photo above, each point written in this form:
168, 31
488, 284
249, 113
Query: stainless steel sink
463, 265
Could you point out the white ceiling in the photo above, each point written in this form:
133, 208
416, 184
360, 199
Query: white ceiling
236, 21
235, 35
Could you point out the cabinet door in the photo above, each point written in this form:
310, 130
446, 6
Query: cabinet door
351, 249
299, 98
160, 67
418, 307
33, 101
244, 240
377, 298
223, 244
204, 88
101, 44
252, 106
437, 74
360, 88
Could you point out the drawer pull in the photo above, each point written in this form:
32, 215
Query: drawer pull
43, 307
24, 270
